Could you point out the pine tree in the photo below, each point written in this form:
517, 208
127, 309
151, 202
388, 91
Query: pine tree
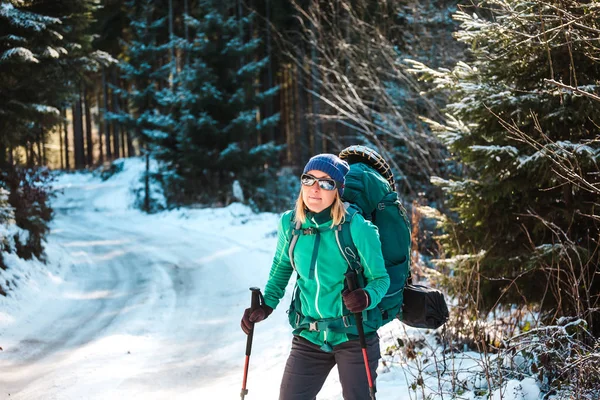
144, 75
217, 138
30, 47
148, 112
526, 231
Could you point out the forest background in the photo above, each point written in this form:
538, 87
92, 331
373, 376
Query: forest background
487, 112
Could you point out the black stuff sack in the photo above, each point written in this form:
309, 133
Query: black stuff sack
424, 307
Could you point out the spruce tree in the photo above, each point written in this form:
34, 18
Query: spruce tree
30, 49
217, 139
144, 75
522, 230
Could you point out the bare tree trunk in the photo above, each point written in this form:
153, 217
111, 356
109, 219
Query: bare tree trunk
40, 138
125, 130
285, 87
88, 128
301, 96
116, 110
147, 182
78, 133
61, 139
269, 105
3, 155
66, 130
106, 125
171, 45
240, 16
100, 130
292, 109
44, 151
130, 148
315, 87
28, 154
186, 33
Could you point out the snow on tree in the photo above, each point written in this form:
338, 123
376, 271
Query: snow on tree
29, 51
216, 105
537, 228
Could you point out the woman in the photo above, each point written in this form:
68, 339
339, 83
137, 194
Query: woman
323, 335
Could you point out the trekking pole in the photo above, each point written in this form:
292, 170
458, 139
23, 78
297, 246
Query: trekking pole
254, 304
351, 281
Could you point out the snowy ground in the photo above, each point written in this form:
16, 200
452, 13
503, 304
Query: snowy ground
132, 306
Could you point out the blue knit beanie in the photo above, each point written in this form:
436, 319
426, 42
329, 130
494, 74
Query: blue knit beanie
332, 165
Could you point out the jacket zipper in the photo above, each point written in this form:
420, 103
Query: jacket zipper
317, 280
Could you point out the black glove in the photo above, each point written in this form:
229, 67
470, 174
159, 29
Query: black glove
251, 316
356, 301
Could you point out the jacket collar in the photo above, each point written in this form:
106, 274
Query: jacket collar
320, 218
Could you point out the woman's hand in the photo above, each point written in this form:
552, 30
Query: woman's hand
251, 316
356, 301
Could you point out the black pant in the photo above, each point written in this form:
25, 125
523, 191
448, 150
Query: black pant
307, 368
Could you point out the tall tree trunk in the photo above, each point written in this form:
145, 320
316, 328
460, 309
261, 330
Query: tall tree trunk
285, 87
100, 130
66, 131
41, 146
318, 148
186, 33
61, 140
106, 125
78, 133
116, 110
302, 152
240, 13
88, 128
147, 181
29, 154
269, 105
4, 155
171, 46
125, 130
130, 148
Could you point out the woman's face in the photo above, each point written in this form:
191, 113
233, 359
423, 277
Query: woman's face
315, 198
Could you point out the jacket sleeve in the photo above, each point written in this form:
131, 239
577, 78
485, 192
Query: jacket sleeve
366, 239
281, 270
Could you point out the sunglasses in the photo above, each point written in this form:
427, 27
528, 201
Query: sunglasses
324, 183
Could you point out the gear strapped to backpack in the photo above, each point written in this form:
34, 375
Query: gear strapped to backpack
369, 190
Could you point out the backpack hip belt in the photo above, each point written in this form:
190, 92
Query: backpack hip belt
339, 324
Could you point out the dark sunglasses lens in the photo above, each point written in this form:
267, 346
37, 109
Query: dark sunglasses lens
307, 180
327, 184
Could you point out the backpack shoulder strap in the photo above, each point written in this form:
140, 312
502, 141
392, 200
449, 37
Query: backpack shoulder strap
344, 238
294, 227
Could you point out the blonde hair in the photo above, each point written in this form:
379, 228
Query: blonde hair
338, 211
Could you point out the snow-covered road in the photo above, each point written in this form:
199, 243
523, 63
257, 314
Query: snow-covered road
135, 306
142, 307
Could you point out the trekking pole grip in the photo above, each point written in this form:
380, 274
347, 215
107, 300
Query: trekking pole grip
254, 304
352, 283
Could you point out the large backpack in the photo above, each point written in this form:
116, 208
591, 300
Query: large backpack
369, 190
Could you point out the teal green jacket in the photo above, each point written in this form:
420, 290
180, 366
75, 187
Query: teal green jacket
321, 266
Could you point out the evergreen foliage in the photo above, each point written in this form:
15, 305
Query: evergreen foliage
214, 106
30, 50
522, 230
144, 75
